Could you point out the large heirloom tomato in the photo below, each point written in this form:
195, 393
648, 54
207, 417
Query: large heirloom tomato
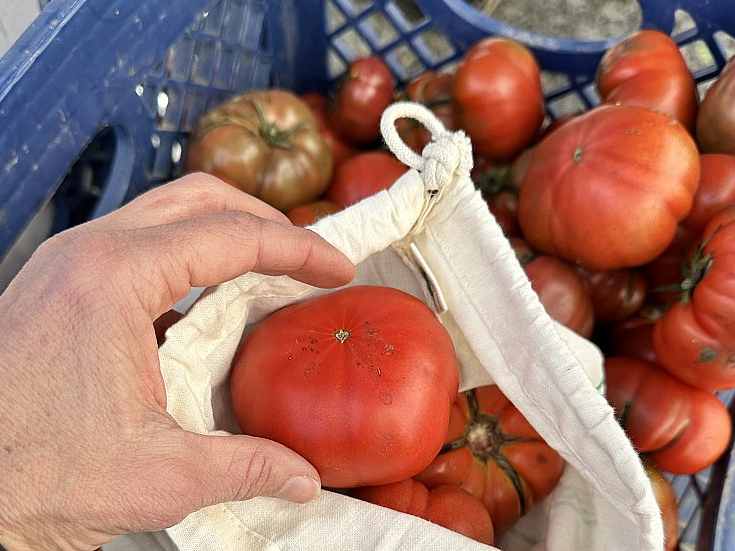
679, 428
494, 453
265, 143
607, 189
498, 97
647, 69
359, 381
716, 117
448, 506
695, 338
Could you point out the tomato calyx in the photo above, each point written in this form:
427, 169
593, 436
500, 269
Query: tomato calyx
525, 257
692, 272
494, 180
485, 439
269, 131
699, 266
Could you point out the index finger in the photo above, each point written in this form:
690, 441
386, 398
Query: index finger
191, 195
215, 247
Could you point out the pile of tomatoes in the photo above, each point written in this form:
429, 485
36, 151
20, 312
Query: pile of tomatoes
621, 216
363, 382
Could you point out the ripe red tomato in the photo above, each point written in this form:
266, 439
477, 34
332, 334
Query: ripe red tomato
695, 338
633, 336
716, 117
267, 144
434, 90
559, 288
493, 452
665, 272
307, 214
498, 97
519, 167
647, 69
607, 189
615, 294
363, 175
341, 150
359, 381
665, 495
498, 187
363, 93
716, 190
679, 428
504, 207
448, 506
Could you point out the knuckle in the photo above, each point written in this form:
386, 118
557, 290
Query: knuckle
75, 260
255, 470
196, 188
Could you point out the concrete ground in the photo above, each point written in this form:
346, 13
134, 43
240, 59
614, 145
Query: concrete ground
577, 19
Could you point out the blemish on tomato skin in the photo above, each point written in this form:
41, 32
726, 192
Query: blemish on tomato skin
706, 354
386, 397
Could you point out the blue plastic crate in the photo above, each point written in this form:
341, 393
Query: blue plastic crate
98, 96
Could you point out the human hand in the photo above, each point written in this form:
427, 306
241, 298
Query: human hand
88, 450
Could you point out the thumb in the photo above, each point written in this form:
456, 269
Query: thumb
239, 467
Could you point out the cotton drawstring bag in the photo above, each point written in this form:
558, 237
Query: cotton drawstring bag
430, 234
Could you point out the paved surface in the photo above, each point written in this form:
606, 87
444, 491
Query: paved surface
580, 19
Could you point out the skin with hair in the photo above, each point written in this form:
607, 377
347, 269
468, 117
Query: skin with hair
88, 450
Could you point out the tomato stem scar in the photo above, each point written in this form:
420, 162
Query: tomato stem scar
342, 335
578, 154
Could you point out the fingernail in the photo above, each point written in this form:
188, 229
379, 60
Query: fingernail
299, 489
